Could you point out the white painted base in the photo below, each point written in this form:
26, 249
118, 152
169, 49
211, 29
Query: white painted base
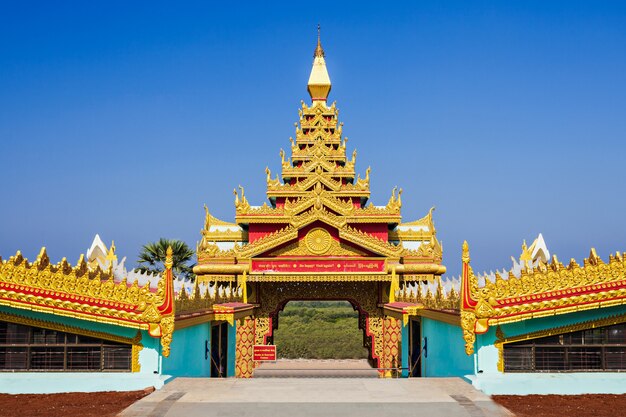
550, 383
50, 383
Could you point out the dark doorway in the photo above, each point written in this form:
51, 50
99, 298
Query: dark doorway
415, 349
219, 350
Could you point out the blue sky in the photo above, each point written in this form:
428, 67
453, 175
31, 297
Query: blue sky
124, 118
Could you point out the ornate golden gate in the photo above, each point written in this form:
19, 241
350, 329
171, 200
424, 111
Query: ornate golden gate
319, 239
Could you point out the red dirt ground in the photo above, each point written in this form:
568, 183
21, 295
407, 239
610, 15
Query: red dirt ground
590, 405
84, 404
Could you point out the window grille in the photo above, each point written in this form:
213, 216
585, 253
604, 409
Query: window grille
28, 348
599, 349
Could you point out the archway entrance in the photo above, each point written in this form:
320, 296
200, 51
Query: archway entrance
318, 338
381, 335
319, 330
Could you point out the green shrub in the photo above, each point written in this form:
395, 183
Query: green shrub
319, 330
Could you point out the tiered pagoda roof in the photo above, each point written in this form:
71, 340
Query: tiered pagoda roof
318, 188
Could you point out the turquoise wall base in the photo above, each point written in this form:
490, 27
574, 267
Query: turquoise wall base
232, 349
445, 353
405, 351
187, 352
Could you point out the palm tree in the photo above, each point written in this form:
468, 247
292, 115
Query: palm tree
152, 258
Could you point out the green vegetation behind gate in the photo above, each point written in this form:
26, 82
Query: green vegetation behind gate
319, 330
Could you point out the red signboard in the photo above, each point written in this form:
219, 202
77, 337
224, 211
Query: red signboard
264, 353
318, 265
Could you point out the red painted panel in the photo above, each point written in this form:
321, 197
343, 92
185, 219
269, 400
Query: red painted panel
258, 230
379, 230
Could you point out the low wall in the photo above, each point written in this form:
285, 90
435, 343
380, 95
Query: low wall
56, 382
550, 383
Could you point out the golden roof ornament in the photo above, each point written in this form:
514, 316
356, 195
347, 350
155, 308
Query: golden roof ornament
319, 51
319, 82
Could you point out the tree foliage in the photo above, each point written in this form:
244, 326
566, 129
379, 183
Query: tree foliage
153, 254
319, 330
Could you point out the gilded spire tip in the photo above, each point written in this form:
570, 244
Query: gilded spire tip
319, 51
319, 82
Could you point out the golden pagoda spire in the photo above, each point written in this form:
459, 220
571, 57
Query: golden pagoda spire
319, 82
319, 51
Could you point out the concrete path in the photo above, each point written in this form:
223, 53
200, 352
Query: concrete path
290, 397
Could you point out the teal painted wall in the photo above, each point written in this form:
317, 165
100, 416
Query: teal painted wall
187, 352
232, 348
405, 350
445, 354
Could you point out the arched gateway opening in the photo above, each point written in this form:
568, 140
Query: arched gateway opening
318, 338
319, 239
319, 330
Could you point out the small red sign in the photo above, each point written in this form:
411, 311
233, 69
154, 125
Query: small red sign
264, 353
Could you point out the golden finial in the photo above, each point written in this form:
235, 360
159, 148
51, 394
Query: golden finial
168, 258
319, 51
319, 82
207, 218
111, 256
466, 255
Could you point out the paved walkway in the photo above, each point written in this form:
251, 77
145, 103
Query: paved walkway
291, 397
316, 368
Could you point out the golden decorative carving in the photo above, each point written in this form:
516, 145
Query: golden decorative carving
318, 241
244, 365
375, 330
467, 324
241, 204
222, 231
368, 241
392, 329
440, 300
262, 329
199, 300
545, 290
213, 251
395, 202
299, 249
75, 291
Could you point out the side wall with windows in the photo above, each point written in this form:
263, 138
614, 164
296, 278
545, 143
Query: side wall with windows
70, 363
489, 358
